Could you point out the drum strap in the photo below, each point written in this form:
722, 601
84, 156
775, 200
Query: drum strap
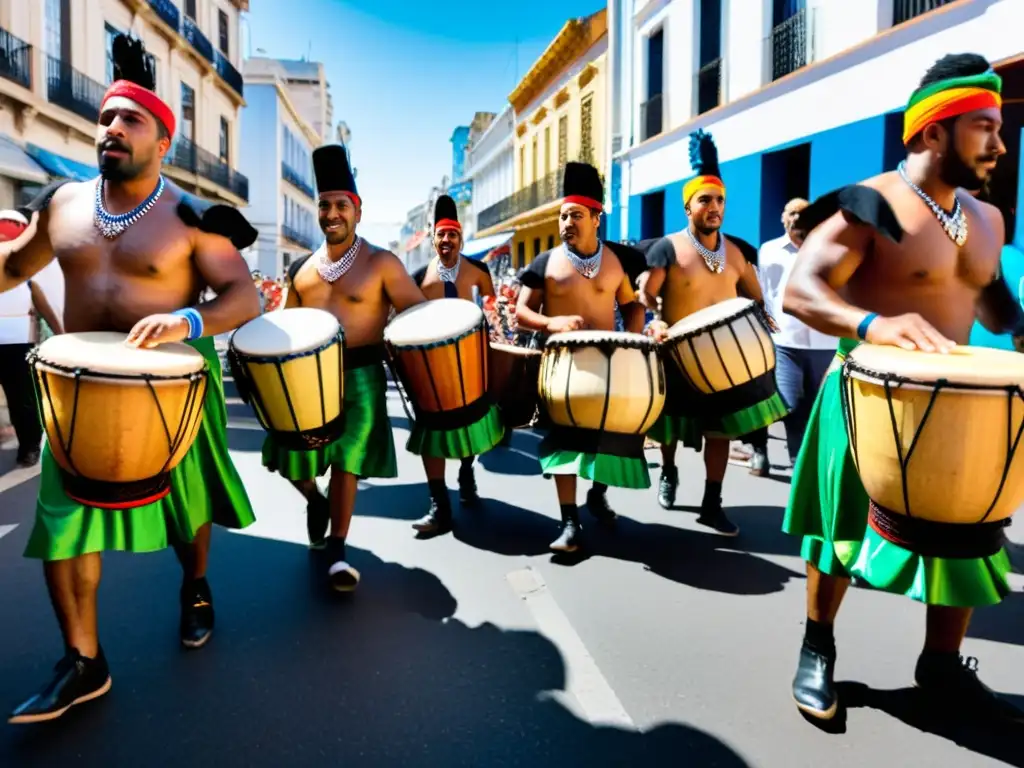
684, 400
597, 441
932, 539
364, 356
445, 421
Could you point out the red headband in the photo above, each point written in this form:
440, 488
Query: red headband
447, 224
144, 98
586, 202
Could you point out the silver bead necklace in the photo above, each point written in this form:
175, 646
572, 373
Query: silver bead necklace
112, 225
954, 224
715, 260
331, 271
587, 266
448, 274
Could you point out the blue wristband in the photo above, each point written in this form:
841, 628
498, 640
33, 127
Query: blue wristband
194, 320
862, 329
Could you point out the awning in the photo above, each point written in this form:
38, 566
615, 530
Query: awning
60, 166
415, 240
15, 163
478, 249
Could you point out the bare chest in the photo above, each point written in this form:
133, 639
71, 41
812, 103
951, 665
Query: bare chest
356, 287
563, 279
691, 271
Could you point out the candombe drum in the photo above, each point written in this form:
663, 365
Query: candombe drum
118, 419
936, 442
727, 356
607, 387
289, 366
439, 353
514, 373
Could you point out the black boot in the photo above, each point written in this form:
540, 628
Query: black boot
342, 576
76, 680
196, 613
814, 688
951, 682
318, 519
438, 520
569, 537
711, 513
597, 504
468, 496
667, 486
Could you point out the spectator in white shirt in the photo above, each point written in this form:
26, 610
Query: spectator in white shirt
20, 310
803, 354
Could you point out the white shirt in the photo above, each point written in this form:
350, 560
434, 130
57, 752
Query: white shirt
775, 261
16, 305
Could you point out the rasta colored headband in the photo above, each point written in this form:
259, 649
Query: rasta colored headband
144, 98
952, 97
693, 186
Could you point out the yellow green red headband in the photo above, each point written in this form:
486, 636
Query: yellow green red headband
695, 185
951, 98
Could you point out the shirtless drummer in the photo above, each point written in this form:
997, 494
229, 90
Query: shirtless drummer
451, 276
358, 283
690, 271
139, 253
904, 259
577, 286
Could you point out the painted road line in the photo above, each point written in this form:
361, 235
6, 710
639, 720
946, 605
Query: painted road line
585, 682
17, 476
5, 529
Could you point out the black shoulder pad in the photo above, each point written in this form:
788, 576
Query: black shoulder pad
863, 204
217, 219
633, 261
420, 275
532, 276
478, 264
40, 202
295, 266
749, 252
660, 254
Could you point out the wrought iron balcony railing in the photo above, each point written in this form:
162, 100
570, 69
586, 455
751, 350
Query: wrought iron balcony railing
905, 10
188, 29
67, 87
297, 236
709, 86
189, 157
168, 12
652, 117
191, 32
228, 73
788, 45
293, 177
15, 59
541, 192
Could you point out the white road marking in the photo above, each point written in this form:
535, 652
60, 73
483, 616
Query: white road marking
5, 529
17, 476
585, 682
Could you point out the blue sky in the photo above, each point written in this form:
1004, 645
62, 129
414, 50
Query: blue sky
404, 74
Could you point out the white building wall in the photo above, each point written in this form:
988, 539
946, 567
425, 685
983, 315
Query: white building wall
491, 164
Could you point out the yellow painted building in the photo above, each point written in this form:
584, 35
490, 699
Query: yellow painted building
560, 117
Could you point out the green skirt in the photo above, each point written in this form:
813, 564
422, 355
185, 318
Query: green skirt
616, 471
672, 428
479, 437
750, 419
828, 507
367, 446
205, 487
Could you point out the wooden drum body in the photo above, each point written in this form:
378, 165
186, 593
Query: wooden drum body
289, 366
602, 382
936, 440
439, 350
513, 379
118, 419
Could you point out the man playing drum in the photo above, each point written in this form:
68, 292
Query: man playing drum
578, 286
444, 277
902, 259
691, 270
138, 252
359, 284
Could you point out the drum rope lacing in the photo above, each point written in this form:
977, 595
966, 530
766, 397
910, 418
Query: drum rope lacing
888, 380
587, 266
112, 225
954, 224
332, 271
715, 260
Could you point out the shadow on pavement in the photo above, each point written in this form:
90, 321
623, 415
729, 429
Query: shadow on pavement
298, 676
1002, 624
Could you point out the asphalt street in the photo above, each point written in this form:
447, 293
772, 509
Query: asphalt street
668, 645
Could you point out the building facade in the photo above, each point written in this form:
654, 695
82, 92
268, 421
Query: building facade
800, 97
278, 139
55, 67
560, 111
489, 168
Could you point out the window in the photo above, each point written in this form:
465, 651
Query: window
190, 9
111, 33
563, 140
188, 112
534, 168
547, 150
222, 31
587, 130
522, 166
53, 22
225, 141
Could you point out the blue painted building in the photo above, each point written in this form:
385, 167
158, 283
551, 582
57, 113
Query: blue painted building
459, 140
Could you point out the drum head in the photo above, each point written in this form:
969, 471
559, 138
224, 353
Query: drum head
587, 338
285, 332
106, 353
716, 313
432, 322
510, 349
981, 367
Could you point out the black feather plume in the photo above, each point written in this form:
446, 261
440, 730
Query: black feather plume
703, 154
132, 63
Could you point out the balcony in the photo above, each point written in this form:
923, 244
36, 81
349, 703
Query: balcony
293, 177
541, 192
190, 31
228, 73
188, 157
652, 118
297, 237
905, 10
67, 87
709, 86
787, 45
168, 13
15, 59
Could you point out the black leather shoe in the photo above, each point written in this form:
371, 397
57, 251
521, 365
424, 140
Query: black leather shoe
318, 519
196, 613
814, 689
667, 486
468, 496
437, 521
76, 680
713, 516
569, 539
28, 458
952, 683
597, 505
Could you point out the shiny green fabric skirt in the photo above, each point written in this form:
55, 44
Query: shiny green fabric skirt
616, 471
205, 487
367, 446
828, 507
671, 428
479, 437
747, 420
